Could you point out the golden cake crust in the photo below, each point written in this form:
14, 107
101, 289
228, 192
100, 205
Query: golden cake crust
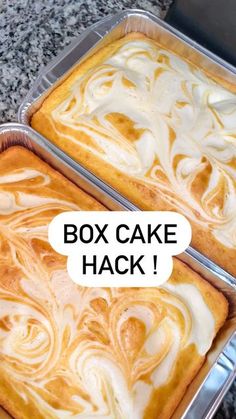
51, 323
17, 157
144, 195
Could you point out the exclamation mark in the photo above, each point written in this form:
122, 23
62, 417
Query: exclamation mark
155, 264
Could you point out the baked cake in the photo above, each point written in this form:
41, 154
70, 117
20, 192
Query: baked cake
68, 351
157, 129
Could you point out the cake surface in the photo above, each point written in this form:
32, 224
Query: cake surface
68, 351
157, 129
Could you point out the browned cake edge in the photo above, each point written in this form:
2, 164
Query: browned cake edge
217, 304
136, 191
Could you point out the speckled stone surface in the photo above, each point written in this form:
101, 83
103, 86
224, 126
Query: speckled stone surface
31, 34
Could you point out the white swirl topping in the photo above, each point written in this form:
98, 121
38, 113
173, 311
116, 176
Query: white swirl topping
157, 118
79, 352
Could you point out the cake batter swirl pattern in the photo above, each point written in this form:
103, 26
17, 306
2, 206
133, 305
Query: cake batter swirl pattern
161, 121
83, 352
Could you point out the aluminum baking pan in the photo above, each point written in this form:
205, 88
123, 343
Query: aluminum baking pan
101, 34
60, 161
209, 386
108, 30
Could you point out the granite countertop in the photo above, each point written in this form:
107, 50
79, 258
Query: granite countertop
32, 33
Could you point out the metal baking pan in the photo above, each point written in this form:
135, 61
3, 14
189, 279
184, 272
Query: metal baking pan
218, 372
20, 134
108, 30
101, 34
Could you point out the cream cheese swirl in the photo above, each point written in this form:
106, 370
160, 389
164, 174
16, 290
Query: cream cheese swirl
184, 125
78, 352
